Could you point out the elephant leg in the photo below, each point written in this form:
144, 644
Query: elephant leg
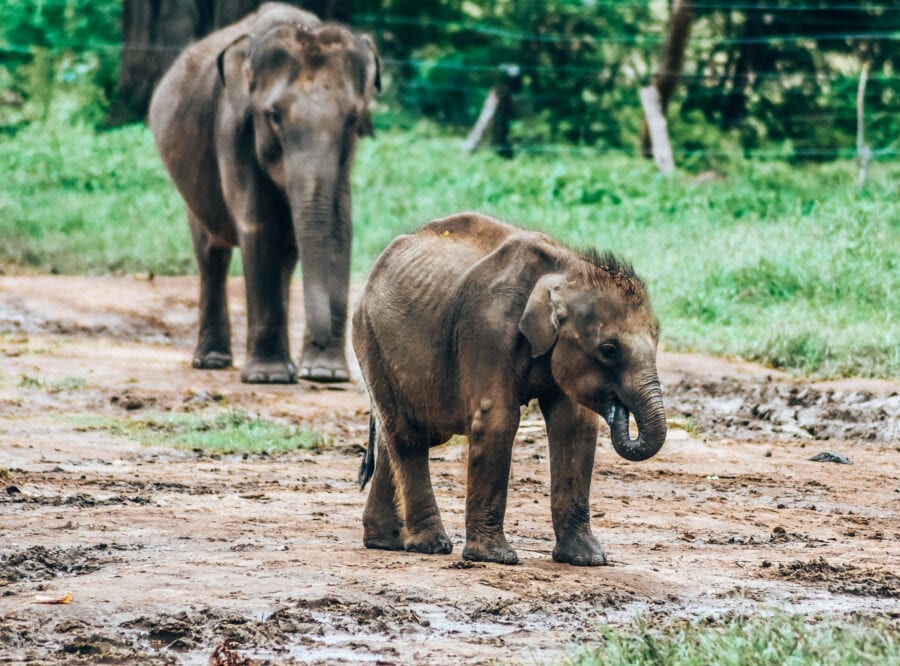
572, 431
382, 525
491, 435
266, 254
213, 349
423, 530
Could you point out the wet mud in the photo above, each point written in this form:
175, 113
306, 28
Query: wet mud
186, 556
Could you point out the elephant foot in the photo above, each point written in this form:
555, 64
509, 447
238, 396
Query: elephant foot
383, 543
582, 550
436, 543
382, 538
324, 365
269, 372
212, 360
490, 550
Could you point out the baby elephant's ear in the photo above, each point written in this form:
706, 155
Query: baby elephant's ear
540, 320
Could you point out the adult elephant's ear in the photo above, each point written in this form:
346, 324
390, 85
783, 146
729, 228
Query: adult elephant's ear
373, 66
543, 314
234, 72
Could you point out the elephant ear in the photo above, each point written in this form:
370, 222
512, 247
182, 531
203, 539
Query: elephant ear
543, 313
373, 66
234, 72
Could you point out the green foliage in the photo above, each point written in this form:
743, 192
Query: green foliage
58, 61
770, 76
771, 640
231, 431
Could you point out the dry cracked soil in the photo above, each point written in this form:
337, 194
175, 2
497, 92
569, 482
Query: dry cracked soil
167, 553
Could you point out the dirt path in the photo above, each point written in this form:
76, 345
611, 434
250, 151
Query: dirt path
167, 552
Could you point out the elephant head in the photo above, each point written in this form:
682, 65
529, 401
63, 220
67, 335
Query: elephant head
601, 335
302, 90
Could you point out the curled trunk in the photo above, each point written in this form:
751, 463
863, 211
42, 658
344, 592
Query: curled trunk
651, 422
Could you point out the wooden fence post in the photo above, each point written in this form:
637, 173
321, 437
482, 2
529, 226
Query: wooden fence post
496, 113
863, 151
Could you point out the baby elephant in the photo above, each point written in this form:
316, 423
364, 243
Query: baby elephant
461, 324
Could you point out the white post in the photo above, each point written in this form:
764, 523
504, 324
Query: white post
659, 130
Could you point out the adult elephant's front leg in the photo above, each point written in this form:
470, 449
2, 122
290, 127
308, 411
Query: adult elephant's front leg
264, 253
325, 263
572, 431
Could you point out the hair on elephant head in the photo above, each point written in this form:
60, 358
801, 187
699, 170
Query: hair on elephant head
257, 125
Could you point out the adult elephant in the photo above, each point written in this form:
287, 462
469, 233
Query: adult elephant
257, 125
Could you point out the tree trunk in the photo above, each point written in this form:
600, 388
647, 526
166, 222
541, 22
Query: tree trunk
667, 77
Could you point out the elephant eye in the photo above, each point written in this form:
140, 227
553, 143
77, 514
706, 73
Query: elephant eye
609, 351
274, 119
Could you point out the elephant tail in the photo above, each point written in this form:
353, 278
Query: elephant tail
367, 467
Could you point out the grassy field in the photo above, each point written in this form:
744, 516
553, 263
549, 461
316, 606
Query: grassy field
773, 262
761, 641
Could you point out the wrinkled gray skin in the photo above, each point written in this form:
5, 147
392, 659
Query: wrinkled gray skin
257, 125
461, 324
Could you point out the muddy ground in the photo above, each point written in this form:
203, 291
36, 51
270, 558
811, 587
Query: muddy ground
168, 552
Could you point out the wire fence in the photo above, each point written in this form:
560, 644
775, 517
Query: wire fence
470, 80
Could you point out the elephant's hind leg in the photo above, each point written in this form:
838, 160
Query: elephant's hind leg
423, 530
213, 349
382, 525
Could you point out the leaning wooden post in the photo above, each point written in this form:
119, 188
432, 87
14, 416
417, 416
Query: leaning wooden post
485, 118
863, 151
657, 129
496, 113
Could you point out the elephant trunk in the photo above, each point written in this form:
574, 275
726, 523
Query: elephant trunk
650, 416
313, 209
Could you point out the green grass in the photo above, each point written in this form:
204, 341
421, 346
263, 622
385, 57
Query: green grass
760, 641
787, 265
53, 385
227, 432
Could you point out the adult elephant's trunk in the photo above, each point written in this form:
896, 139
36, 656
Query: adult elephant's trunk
314, 212
650, 416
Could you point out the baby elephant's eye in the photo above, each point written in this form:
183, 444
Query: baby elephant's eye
609, 351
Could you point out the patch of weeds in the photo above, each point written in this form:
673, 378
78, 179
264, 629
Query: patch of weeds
230, 431
689, 424
762, 640
53, 386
